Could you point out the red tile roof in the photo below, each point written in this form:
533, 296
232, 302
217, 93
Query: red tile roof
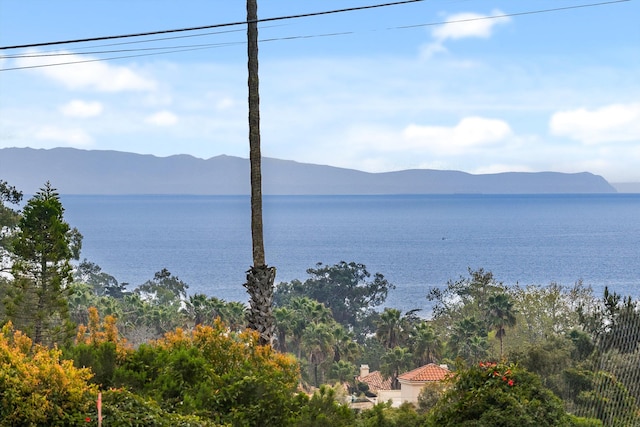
430, 372
375, 381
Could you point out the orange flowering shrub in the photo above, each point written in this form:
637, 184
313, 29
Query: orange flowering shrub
37, 388
100, 332
216, 373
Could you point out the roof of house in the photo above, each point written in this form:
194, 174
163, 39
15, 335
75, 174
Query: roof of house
430, 372
375, 381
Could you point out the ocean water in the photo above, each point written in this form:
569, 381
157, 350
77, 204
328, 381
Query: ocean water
416, 242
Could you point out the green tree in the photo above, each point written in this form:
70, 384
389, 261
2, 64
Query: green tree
216, 373
426, 345
389, 327
393, 329
305, 312
199, 309
395, 361
501, 315
43, 248
546, 311
317, 342
345, 288
599, 394
345, 348
343, 372
465, 297
8, 217
164, 289
492, 394
614, 323
103, 284
233, 313
324, 410
285, 326
468, 340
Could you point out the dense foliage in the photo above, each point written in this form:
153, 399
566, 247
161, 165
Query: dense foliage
161, 356
37, 387
498, 394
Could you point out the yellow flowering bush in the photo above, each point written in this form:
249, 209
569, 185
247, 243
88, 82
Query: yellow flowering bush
37, 388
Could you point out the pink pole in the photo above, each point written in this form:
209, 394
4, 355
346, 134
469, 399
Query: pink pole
99, 409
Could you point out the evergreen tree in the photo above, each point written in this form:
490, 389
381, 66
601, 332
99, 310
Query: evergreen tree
8, 217
43, 248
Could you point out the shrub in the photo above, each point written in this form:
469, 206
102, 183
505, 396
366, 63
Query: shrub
37, 388
491, 394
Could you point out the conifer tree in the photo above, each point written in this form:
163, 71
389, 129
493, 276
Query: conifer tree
43, 248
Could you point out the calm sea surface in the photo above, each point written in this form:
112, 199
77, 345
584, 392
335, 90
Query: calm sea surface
415, 241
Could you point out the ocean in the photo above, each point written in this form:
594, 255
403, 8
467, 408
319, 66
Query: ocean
415, 241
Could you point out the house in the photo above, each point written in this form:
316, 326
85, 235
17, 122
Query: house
374, 380
378, 385
411, 383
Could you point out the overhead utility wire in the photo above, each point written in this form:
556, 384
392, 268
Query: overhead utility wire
506, 15
175, 50
79, 48
201, 47
73, 51
229, 24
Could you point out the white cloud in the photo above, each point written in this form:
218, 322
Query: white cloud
98, 76
162, 118
225, 104
470, 132
500, 168
81, 109
611, 123
461, 26
465, 25
69, 137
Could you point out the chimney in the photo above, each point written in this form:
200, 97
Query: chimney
364, 370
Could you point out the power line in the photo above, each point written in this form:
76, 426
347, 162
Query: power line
176, 49
173, 48
206, 27
186, 48
506, 15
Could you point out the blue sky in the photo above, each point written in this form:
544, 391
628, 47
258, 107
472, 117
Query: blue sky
375, 90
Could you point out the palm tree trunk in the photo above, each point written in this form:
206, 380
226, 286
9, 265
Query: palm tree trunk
260, 277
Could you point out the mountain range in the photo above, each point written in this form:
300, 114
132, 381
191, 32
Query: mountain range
75, 171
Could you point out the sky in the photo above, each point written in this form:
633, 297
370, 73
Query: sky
477, 86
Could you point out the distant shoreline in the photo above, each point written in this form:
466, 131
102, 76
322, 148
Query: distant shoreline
74, 171
626, 187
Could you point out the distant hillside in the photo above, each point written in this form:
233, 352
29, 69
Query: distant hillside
626, 187
74, 171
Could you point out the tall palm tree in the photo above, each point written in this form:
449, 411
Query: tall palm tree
317, 341
500, 315
285, 326
345, 347
468, 339
426, 344
197, 309
260, 277
394, 329
389, 327
395, 361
